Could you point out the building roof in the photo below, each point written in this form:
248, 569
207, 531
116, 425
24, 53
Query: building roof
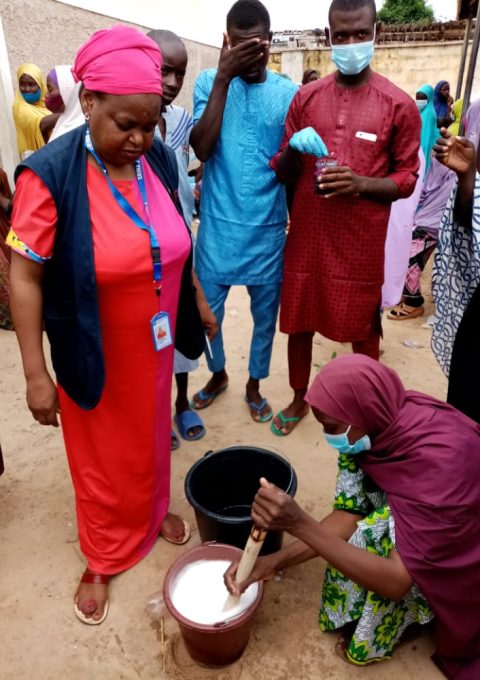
448, 31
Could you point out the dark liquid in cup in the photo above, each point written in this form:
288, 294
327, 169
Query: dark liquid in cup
319, 166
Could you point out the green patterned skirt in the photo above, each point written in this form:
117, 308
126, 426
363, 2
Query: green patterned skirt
380, 622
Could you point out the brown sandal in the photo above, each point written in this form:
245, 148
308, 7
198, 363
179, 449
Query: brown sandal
187, 532
403, 311
97, 579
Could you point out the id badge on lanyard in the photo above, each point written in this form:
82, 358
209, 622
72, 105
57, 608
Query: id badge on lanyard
161, 331
159, 323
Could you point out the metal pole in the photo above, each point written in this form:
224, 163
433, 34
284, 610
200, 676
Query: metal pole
471, 68
463, 59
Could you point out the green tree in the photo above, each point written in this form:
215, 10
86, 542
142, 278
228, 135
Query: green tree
406, 12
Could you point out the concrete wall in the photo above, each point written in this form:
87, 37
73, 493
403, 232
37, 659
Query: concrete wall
46, 33
408, 65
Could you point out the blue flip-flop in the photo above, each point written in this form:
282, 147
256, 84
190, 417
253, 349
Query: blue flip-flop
263, 418
185, 421
208, 397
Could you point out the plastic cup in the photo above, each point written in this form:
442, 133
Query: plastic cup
320, 165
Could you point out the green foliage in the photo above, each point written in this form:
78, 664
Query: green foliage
406, 12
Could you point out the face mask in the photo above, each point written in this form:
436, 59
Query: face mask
353, 59
54, 102
32, 97
341, 443
421, 104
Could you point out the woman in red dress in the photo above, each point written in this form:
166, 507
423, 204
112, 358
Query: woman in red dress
118, 448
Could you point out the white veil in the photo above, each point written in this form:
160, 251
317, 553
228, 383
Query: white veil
73, 116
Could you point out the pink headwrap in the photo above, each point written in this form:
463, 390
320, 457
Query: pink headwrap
119, 60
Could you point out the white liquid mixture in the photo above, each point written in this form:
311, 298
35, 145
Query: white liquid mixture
199, 594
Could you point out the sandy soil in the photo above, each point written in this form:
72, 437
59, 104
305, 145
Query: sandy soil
40, 560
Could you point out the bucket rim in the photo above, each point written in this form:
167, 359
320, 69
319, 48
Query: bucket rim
172, 573
292, 485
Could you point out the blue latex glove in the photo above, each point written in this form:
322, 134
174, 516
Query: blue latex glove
308, 141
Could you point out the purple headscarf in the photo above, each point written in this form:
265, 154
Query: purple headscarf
426, 456
53, 77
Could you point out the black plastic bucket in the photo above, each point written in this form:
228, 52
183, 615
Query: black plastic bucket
221, 487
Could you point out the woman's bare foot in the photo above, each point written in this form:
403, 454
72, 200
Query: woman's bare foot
174, 529
91, 598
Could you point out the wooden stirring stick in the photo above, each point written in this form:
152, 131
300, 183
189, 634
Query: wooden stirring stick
247, 561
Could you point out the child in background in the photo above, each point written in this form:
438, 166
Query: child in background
174, 127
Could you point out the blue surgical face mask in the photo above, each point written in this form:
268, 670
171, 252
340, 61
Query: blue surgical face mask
421, 104
354, 58
341, 443
32, 97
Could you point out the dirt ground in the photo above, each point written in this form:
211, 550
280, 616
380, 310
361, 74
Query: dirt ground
40, 560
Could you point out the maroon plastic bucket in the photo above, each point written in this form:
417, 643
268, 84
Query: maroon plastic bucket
221, 644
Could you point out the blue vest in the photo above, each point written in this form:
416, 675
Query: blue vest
70, 303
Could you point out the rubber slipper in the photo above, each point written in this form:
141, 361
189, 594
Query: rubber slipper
294, 419
341, 650
91, 577
175, 442
186, 420
186, 535
208, 397
263, 418
402, 312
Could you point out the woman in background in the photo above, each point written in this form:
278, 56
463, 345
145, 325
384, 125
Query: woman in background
454, 128
398, 244
67, 98
424, 222
429, 133
33, 121
436, 191
443, 103
53, 99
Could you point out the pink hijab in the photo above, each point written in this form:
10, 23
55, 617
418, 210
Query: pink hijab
426, 456
119, 60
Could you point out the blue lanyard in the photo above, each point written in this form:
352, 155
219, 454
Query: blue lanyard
131, 213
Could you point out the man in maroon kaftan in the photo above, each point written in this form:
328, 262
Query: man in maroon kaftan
334, 255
